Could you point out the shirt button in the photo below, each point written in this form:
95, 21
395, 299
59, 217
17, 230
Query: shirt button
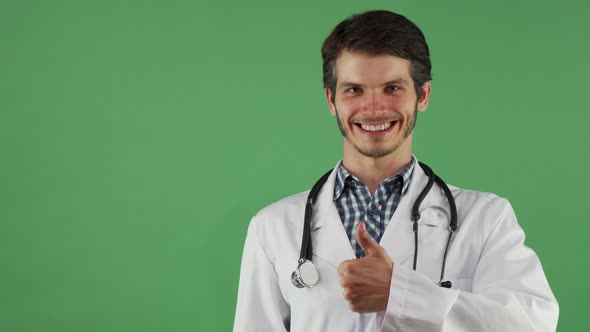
371, 212
354, 183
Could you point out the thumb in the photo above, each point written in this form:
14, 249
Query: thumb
364, 239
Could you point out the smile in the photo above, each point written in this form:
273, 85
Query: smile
376, 127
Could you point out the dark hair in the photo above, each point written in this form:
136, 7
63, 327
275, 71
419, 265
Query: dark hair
377, 32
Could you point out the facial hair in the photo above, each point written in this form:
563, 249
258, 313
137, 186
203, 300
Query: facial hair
377, 152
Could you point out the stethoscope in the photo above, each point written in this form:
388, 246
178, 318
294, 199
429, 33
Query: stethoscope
306, 274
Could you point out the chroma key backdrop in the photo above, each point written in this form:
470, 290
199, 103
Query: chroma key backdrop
138, 138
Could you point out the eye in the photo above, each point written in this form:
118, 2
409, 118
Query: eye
353, 90
392, 88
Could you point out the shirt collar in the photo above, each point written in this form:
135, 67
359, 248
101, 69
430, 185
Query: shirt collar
344, 178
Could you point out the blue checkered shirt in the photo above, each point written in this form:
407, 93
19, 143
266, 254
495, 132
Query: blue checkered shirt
355, 204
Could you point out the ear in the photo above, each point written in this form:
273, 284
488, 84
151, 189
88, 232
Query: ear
425, 90
331, 105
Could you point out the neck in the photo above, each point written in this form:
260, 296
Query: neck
372, 171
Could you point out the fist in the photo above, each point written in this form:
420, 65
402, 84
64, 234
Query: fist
366, 281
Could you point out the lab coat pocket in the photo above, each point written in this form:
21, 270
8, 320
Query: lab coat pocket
434, 216
433, 233
323, 307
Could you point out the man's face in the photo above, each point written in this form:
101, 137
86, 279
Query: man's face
375, 103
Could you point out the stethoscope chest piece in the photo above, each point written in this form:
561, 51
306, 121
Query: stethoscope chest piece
306, 275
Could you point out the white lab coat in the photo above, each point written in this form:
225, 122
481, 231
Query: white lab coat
498, 282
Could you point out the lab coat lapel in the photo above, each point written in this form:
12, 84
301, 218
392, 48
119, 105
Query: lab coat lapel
329, 239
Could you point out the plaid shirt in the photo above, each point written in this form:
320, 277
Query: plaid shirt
355, 204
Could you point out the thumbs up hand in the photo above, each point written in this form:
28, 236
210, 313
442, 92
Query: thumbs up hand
366, 280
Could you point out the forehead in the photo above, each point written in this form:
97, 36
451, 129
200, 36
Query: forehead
367, 68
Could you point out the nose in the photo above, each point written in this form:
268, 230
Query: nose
373, 103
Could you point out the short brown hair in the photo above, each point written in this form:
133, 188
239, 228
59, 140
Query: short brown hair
377, 32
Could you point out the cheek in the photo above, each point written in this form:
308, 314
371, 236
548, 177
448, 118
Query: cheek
399, 103
350, 102
348, 107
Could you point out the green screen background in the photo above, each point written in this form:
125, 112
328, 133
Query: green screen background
138, 138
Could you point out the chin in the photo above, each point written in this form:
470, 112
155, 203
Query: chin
377, 152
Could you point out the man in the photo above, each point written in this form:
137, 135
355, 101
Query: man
381, 268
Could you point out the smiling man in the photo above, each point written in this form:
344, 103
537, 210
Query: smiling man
385, 244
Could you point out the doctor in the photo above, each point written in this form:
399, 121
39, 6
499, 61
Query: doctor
378, 270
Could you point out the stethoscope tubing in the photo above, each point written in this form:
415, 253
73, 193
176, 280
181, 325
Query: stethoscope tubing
306, 252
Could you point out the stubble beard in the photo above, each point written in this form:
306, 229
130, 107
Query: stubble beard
379, 152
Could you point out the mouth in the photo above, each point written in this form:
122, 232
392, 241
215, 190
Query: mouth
376, 128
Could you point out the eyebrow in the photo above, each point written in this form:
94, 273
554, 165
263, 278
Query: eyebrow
346, 84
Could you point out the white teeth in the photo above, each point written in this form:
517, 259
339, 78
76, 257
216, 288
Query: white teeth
379, 127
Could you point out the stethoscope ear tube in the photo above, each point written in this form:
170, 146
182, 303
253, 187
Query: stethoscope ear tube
452, 228
306, 245
423, 193
451, 200
306, 274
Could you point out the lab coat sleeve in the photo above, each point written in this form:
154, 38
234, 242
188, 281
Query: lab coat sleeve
260, 305
509, 291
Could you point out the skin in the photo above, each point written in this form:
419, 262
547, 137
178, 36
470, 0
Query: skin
365, 281
373, 90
